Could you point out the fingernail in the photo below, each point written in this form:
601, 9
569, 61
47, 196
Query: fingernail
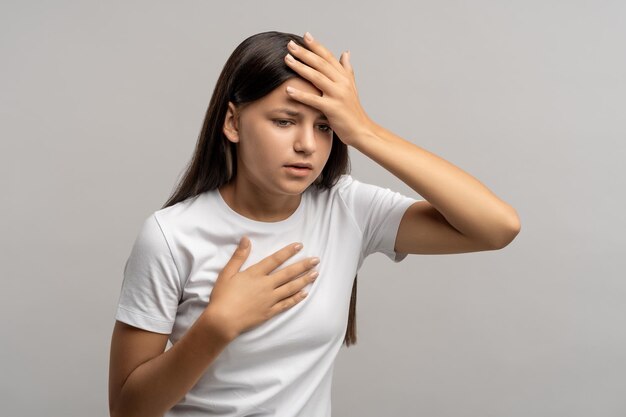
290, 58
315, 261
290, 90
298, 246
244, 243
308, 37
293, 45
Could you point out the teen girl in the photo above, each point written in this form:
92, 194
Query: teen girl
249, 269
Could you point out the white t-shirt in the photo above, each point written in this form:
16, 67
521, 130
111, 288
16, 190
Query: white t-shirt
284, 366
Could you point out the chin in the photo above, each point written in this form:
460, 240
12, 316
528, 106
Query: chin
296, 188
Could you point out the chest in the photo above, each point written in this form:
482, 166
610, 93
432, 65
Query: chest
318, 319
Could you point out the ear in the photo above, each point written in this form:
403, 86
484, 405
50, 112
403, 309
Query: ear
231, 123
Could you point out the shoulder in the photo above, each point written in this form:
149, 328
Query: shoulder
182, 208
163, 227
344, 182
352, 191
151, 243
326, 196
184, 214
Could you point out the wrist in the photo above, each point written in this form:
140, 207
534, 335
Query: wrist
368, 134
214, 323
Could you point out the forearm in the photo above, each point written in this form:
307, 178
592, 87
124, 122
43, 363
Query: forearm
158, 384
468, 205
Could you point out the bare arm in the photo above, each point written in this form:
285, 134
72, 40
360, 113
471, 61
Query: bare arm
460, 215
145, 380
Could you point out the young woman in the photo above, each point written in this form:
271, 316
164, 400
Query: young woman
250, 267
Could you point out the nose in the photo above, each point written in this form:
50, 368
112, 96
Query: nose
305, 140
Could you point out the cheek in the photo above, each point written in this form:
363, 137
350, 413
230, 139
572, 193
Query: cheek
327, 142
323, 152
260, 150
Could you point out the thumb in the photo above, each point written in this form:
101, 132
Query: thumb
239, 257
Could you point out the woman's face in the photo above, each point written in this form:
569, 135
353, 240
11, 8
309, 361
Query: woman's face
275, 132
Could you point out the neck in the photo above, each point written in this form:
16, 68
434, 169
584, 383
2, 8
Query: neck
249, 200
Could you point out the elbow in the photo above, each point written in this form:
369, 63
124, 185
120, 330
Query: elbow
507, 232
114, 411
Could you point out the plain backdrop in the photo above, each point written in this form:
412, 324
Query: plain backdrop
101, 104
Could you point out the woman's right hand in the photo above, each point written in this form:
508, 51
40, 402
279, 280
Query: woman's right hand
241, 300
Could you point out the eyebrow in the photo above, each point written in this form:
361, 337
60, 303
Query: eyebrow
295, 113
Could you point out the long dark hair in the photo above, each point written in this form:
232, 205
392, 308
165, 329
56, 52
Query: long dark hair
254, 69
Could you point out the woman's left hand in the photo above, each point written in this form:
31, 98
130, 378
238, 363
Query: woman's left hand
339, 101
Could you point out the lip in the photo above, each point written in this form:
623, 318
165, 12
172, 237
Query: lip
301, 165
298, 171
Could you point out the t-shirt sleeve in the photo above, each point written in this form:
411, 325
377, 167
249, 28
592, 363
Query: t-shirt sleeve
378, 212
151, 287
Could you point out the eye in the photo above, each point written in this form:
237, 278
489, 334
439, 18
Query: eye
326, 128
281, 122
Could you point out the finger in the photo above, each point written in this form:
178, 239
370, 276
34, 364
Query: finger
321, 50
345, 61
239, 257
316, 78
292, 271
309, 99
273, 261
314, 61
287, 303
295, 285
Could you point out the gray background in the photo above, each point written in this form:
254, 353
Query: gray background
101, 105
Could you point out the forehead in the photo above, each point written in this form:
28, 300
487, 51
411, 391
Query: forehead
279, 98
